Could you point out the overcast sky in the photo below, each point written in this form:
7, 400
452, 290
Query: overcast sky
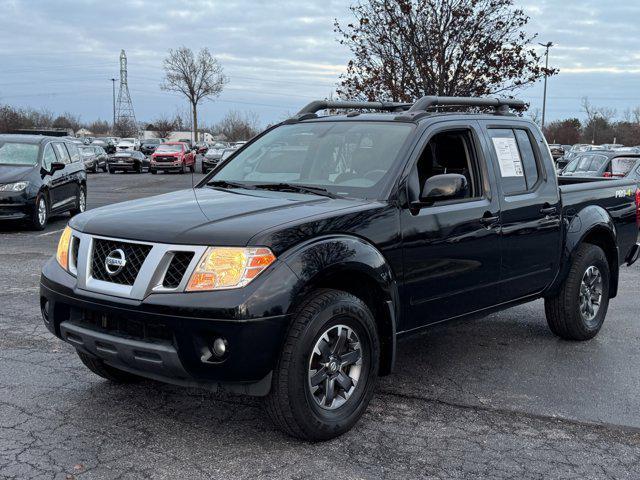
278, 54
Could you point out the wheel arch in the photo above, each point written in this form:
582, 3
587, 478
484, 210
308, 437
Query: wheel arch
356, 266
595, 226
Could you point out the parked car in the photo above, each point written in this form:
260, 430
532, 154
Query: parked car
127, 144
292, 270
128, 161
187, 142
173, 156
108, 143
94, 158
557, 151
39, 177
601, 163
201, 147
215, 155
149, 145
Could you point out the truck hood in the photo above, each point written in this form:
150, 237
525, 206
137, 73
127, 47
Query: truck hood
14, 173
205, 216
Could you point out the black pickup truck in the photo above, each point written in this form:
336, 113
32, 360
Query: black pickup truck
292, 269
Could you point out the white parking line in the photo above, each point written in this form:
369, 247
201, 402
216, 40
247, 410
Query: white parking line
50, 233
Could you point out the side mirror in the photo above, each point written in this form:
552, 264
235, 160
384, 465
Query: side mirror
55, 166
449, 186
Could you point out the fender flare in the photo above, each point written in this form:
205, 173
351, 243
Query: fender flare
333, 256
591, 221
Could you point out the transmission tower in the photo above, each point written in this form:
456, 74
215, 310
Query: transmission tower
124, 108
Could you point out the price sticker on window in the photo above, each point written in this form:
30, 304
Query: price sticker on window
508, 156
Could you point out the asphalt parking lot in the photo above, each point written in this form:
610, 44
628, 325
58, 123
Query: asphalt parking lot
499, 397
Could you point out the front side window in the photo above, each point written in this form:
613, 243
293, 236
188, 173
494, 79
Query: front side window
621, 166
48, 157
451, 152
14, 153
61, 151
348, 158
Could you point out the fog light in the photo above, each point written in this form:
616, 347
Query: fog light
219, 347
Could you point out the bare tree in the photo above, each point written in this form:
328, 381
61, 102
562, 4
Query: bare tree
197, 78
236, 126
163, 127
404, 49
125, 128
98, 127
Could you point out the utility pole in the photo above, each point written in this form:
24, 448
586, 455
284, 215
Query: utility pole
113, 84
547, 46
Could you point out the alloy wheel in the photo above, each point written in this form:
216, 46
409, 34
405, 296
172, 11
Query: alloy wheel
42, 211
590, 293
82, 201
335, 366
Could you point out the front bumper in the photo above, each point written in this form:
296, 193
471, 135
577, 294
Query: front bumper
161, 337
15, 205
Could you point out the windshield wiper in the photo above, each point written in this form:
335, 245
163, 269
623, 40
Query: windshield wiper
292, 187
229, 184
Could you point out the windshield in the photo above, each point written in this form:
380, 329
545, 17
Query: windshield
152, 141
18, 153
586, 164
621, 166
346, 158
219, 146
87, 151
169, 149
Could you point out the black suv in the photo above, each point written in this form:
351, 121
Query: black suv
40, 176
292, 269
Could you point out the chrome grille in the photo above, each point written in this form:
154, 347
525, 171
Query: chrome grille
135, 255
177, 268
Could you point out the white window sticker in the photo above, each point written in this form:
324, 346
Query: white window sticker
508, 157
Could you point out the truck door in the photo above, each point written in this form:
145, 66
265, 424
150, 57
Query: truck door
451, 249
530, 205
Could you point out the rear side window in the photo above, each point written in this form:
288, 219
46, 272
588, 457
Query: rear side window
516, 158
63, 155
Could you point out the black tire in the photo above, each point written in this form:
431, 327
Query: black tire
291, 404
153, 171
81, 201
104, 169
183, 169
108, 372
564, 312
192, 168
110, 170
36, 221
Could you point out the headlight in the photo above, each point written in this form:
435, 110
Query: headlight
62, 255
229, 267
13, 187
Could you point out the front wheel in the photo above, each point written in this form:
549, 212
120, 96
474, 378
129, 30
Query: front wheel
578, 310
328, 368
40, 216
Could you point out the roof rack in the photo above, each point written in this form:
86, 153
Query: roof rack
411, 111
318, 105
502, 105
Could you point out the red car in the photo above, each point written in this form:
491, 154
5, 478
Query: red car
173, 156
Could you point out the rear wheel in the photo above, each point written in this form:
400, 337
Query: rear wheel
578, 311
103, 370
328, 368
40, 216
153, 171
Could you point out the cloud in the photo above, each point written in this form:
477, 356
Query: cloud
278, 54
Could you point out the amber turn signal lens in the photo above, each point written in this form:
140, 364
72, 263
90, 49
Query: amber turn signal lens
62, 255
229, 267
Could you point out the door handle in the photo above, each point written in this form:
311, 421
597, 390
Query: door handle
548, 210
489, 219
